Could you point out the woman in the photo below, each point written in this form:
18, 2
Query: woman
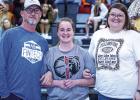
46, 19
98, 13
117, 57
67, 62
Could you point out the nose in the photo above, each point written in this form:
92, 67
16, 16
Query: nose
65, 32
115, 17
33, 13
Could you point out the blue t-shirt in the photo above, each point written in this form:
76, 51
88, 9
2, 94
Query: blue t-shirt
21, 58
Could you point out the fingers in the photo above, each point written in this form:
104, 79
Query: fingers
61, 84
69, 83
87, 74
46, 79
41, 79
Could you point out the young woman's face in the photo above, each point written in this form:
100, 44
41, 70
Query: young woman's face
116, 19
6, 24
65, 32
45, 7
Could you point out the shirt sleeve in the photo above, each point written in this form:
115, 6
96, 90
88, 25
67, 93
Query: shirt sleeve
90, 63
136, 48
91, 46
47, 61
4, 52
45, 67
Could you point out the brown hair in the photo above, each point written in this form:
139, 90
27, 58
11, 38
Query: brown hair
67, 20
123, 8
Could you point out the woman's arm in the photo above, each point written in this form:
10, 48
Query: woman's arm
79, 82
137, 95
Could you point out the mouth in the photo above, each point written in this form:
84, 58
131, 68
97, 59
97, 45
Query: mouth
65, 36
115, 21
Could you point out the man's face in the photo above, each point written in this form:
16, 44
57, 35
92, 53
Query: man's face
32, 14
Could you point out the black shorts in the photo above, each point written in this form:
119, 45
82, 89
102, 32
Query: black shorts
11, 97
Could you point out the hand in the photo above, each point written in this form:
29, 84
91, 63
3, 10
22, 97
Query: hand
42, 20
46, 79
90, 21
46, 21
61, 84
137, 96
70, 83
87, 74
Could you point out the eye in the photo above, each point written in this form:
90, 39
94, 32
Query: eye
68, 30
113, 15
37, 10
61, 29
120, 16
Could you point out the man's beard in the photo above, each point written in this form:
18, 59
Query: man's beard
31, 21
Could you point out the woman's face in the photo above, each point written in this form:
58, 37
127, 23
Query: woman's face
65, 32
45, 7
116, 19
6, 24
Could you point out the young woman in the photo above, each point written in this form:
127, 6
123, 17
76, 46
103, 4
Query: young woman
98, 12
67, 62
117, 57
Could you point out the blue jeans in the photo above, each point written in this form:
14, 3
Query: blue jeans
102, 97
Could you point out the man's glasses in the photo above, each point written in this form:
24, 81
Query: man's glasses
31, 10
113, 15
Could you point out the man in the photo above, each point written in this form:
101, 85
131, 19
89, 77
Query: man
21, 57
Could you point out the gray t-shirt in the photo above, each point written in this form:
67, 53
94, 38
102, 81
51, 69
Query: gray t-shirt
77, 60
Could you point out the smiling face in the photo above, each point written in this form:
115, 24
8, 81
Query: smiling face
65, 32
116, 19
31, 15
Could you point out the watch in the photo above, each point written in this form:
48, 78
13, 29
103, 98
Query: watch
138, 91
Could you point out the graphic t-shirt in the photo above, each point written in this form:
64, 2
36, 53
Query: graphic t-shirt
68, 65
115, 60
21, 55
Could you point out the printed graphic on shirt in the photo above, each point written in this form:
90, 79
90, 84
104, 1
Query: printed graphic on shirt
107, 54
66, 67
32, 52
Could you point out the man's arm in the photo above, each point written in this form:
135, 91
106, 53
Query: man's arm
4, 53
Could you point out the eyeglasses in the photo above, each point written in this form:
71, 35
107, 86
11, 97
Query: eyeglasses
31, 10
116, 15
